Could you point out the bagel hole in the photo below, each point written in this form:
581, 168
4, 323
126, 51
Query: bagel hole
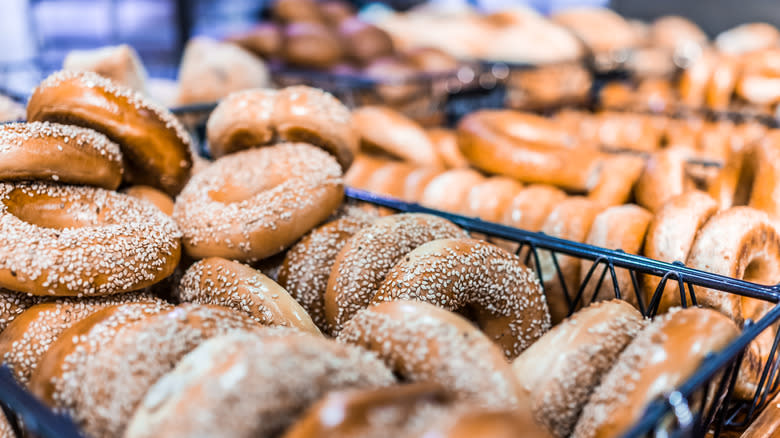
761, 270
48, 212
298, 134
747, 177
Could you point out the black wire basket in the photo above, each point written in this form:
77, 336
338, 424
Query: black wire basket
703, 403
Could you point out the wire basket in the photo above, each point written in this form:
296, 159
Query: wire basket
702, 403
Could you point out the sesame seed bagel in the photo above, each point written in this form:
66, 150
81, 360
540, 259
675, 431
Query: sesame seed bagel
77, 241
13, 304
474, 276
53, 152
662, 356
670, 237
743, 243
252, 204
560, 370
230, 284
106, 386
155, 145
424, 343
619, 227
30, 335
308, 264
362, 264
571, 219
388, 131
247, 385
295, 114
150, 194
61, 363
397, 411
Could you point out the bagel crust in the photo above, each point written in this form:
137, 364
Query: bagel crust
60, 153
456, 274
253, 204
76, 241
154, 143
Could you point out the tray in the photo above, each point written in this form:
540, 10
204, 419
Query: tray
680, 413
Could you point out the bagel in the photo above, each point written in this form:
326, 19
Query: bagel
561, 369
617, 179
663, 178
28, 337
620, 227
449, 190
300, 113
403, 410
13, 304
390, 179
504, 295
308, 264
362, 169
244, 384
103, 387
528, 148
252, 204
694, 80
287, 11
674, 32
467, 422
81, 241
210, 70
767, 423
488, 199
742, 243
311, 44
416, 182
571, 219
423, 343
221, 282
445, 142
80, 340
63, 153
363, 42
431, 60
670, 237
723, 82
264, 39
765, 187
155, 145
625, 131
152, 195
119, 63
661, 357
367, 257
384, 129
748, 37
531, 206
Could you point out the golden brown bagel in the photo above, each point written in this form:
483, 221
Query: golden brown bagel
256, 384
531, 206
416, 182
449, 191
618, 177
80, 241
670, 237
252, 204
152, 195
155, 145
362, 169
63, 153
488, 200
619, 227
310, 44
562, 368
571, 219
458, 274
445, 141
119, 63
364, 42
528, 148
661, 357
13, 304
663, 177
260, 117
390, 179
264, 39
389, 131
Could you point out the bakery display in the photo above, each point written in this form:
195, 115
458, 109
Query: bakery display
226, 280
